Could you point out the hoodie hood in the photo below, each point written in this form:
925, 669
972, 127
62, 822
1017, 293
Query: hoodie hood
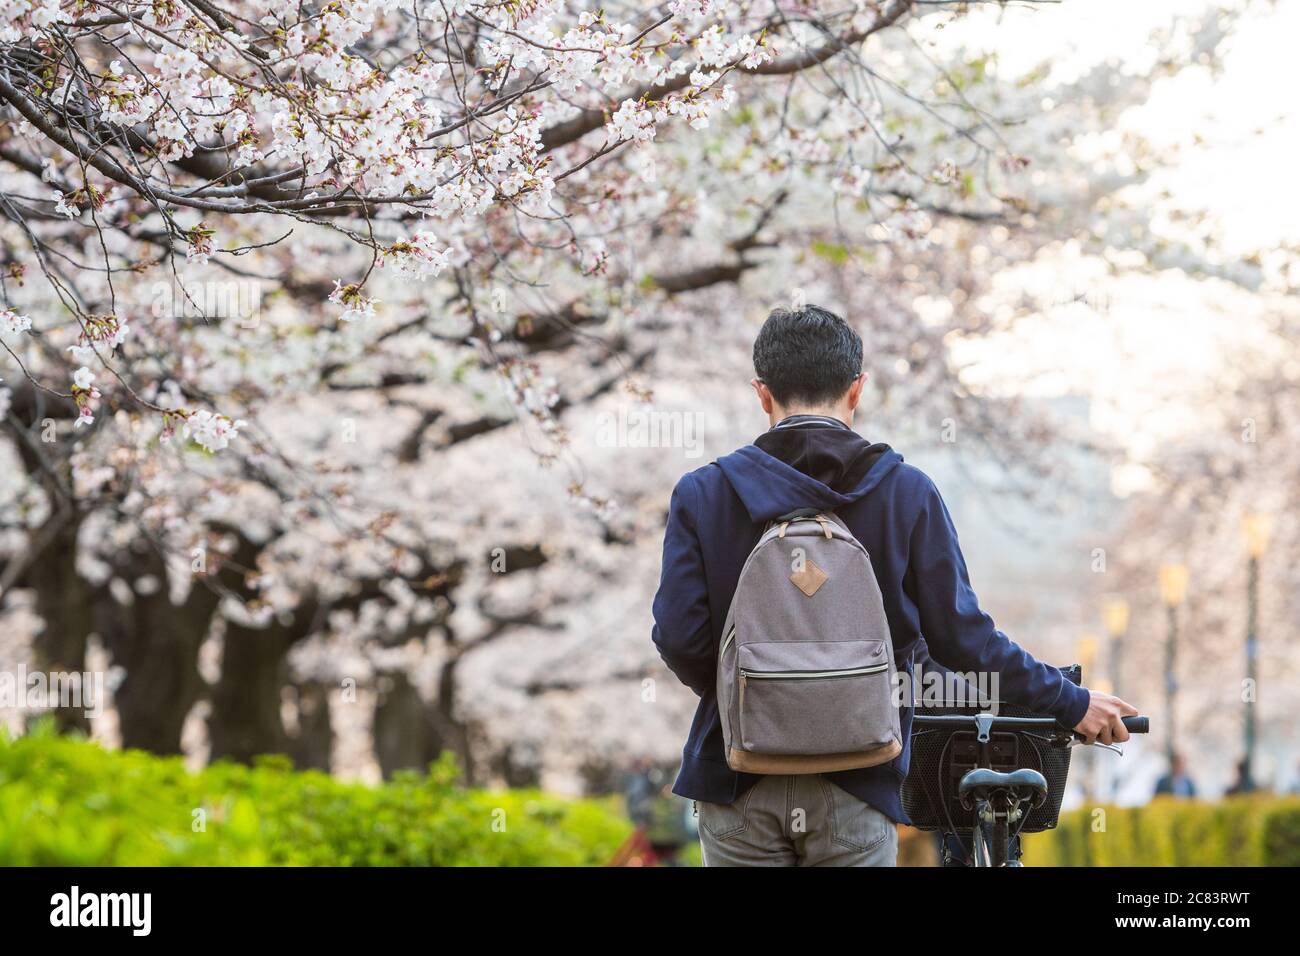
824, 467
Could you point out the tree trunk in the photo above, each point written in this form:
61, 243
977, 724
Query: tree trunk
159, 651
515, 772
312, 746
245, 719
453, 734
157, 644
63, 601
405, 738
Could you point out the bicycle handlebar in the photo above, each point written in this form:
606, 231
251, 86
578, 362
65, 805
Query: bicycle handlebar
1134, 725
999, 723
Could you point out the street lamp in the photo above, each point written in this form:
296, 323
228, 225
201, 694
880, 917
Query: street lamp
1257, 528
1114, 614
1086, 652
1173, 591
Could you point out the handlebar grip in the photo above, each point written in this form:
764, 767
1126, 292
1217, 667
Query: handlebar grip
1134, 725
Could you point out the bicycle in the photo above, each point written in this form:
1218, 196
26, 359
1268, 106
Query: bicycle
970, 781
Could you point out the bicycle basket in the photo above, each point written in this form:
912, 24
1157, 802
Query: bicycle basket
941, 756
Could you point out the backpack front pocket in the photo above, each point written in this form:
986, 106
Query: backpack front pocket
815, 697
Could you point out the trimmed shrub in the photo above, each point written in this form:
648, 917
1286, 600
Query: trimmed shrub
1258, 830
66, 801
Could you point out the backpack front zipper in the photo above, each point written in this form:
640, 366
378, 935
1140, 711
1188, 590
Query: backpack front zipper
812, 675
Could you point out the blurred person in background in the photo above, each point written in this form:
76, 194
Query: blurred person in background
664, 821
1244, 783
640, 791
1177, 782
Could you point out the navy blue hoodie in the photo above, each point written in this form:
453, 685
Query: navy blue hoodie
715, 518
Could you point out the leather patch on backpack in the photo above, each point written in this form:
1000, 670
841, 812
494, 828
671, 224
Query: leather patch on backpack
809, 579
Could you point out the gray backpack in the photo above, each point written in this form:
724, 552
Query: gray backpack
806, 678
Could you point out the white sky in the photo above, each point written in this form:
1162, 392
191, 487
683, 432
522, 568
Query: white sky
1140, 342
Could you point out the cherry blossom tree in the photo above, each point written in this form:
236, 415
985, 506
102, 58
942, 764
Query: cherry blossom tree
1236, 466
296, 300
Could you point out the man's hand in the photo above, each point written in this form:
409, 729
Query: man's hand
1103, 719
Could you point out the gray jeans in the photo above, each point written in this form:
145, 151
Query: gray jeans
796, 820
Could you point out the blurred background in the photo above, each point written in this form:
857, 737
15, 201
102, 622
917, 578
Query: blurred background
1068, 235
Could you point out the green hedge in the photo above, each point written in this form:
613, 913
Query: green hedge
1258, 830
65, 801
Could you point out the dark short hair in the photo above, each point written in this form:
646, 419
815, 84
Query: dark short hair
807, 355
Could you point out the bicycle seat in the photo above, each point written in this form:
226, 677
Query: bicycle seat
1026, 783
